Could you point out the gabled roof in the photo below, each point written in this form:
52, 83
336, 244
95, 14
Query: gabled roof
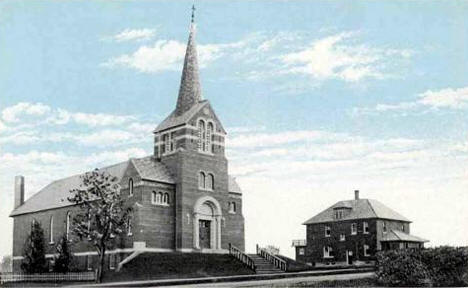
150, 169
396, 235
173, 120
233, 186
359, 209
56, 193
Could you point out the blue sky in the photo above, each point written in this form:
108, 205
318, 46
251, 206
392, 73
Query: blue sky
368, 95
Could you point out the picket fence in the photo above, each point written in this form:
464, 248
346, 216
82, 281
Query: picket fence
48, 277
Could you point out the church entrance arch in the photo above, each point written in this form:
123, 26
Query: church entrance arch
207, 224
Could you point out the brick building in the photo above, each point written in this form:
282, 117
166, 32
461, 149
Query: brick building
352, 231
182, 196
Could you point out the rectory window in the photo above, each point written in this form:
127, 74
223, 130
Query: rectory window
366, 250
327, 231
353, 229
327, 252
342, 237
365, 227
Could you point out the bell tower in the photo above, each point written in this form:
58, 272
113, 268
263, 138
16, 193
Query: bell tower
190, 142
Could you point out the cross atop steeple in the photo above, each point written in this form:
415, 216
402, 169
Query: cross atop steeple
193, 13
190, 90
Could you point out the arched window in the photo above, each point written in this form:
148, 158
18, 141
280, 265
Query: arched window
130, 187
210, 182
51, 229
166, 198
159, 198
201, 180
153, 197
209, 134
201, 135
67, 225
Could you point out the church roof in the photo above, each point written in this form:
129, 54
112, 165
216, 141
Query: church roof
233, 186
174, 120
359, 209
396, 235
150, 169
56, 193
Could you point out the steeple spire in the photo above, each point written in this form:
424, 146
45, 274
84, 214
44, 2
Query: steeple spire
190, 90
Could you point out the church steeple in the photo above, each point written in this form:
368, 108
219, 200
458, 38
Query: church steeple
190, 90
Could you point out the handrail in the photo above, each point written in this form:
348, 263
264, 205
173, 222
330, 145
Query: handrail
275, 260
244, 258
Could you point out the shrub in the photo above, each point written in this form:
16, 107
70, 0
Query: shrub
401, 268
441, 267
448, 266
34, 251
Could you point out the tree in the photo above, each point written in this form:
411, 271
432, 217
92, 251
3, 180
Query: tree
102, 215
34, 260
64, 258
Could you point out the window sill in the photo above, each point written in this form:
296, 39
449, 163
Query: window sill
327, 236
329, 257
130, 234
231, 212
353, 233
51, 243
160, 204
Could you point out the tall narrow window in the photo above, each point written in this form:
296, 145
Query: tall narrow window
365, 227
384, 227
167, 142
67, 225
232, 207
159, 198
130, 187
51, 230
353, 229
153, 197
166, 198
209, 135
210, 182
201, 180
129, 226
201, 135
173, 141
327, 231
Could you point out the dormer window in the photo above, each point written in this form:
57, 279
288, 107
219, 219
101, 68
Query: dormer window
339, 214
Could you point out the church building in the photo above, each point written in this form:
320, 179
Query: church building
182, 196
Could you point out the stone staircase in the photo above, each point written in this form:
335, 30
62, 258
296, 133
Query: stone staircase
263, 266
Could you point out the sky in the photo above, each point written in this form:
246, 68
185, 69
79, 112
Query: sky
319, 98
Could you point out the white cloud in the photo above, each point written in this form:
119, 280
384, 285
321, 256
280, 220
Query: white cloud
134, 34
166, 55
337, 57
12, 114
445, 98
448, 98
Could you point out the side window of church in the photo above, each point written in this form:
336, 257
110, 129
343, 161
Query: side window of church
130, 187
232, 207
201, 180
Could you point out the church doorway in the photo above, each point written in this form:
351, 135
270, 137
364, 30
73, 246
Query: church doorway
205, 234
207, 224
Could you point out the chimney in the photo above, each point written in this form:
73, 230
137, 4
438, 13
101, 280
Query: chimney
356, 194
19, 191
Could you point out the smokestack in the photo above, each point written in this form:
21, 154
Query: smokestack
19, 191
356, 194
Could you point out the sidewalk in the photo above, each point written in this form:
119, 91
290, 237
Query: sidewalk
257, 277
